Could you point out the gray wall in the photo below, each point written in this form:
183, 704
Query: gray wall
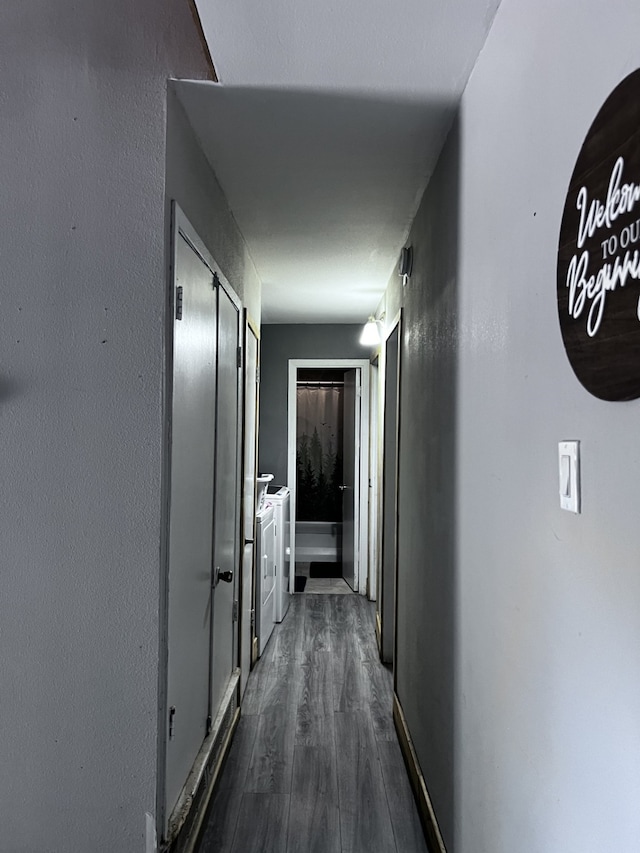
81, 381
278, 344
427, 477
518, 623
192, 182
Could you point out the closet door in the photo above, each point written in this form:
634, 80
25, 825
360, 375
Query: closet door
191, 513
227, 499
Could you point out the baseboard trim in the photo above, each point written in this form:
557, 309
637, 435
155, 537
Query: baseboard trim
192, 842
379, 633
186, 823
430, 826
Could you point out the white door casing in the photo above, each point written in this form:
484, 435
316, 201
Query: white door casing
374, 468
250, 420
361, 521
350, 466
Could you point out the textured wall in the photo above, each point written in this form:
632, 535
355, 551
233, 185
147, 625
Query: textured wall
519, 633
279, 343
426, 543
82, 113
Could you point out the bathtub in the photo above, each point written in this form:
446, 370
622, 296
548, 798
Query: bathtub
318, 541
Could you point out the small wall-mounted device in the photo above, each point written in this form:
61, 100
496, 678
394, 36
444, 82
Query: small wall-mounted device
405, 264
569, 470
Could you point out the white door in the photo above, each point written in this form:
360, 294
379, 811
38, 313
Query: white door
350, 475
227, 499
191, 495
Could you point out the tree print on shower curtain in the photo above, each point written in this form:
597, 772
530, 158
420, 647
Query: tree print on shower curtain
319, 453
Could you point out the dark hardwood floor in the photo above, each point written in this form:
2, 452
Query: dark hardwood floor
315, 765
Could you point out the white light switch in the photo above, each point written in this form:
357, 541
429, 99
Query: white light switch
569, 469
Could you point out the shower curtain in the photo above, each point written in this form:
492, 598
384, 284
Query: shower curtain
319, 452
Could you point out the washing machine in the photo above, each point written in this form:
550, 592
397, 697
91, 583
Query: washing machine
265, 575
279, 496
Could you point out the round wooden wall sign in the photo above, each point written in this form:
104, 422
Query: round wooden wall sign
599, 251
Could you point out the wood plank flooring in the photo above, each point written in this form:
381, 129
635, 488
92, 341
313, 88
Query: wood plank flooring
315, 765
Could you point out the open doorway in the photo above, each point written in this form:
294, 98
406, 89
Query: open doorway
328, 441
321, 491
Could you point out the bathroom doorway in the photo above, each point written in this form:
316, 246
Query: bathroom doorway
328, 441
320, 487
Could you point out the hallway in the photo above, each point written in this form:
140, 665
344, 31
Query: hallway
315, 763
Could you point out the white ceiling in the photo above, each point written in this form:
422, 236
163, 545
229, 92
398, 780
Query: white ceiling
323, 133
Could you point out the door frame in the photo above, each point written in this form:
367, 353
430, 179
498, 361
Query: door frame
375, 466
386, 634
361, 499
248, 531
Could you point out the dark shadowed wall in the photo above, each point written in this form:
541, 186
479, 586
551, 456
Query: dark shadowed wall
279, 343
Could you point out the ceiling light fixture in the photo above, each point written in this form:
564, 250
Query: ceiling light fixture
370, 336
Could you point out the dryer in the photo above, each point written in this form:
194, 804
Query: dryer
280, 498
265, 575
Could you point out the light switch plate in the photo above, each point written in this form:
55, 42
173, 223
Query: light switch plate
569, 473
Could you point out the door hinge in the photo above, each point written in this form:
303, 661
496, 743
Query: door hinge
235, 611
179, 291
258, 375
253, 618
216, 281
172, 717
209, 724
239, 358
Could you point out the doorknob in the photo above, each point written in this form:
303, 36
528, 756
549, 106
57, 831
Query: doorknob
227, 576
343, 488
